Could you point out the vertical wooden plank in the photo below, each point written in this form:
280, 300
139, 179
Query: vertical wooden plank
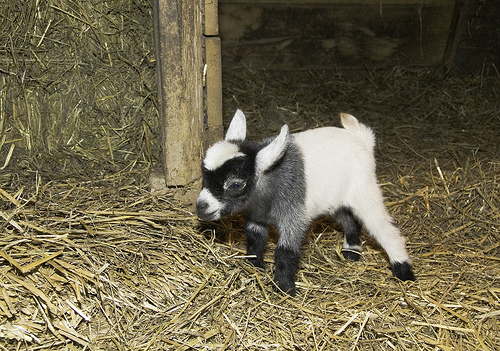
214, 127
214, 90
211, 18
179, 39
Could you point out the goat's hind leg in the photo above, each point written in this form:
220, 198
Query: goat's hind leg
377, 222
389, 237
352, 231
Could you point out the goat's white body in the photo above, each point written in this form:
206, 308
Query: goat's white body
339, 168
332, 158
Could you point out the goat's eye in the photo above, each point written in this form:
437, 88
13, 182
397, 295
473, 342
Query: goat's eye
235, 185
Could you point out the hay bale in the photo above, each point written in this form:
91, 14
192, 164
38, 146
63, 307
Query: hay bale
77, 84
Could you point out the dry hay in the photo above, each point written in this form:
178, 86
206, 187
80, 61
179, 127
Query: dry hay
77, 84
97, 261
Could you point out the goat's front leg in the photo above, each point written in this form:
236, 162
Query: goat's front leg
256, 242
287, 257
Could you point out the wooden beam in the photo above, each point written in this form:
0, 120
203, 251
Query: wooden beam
179, 57
214, 91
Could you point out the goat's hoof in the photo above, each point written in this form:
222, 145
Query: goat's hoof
286, 287
352, 255
403, 271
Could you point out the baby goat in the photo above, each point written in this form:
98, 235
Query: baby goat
290, 180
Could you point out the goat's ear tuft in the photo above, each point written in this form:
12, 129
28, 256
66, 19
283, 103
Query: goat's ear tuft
237, 128
273, 152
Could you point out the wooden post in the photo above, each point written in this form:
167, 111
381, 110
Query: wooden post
179, 53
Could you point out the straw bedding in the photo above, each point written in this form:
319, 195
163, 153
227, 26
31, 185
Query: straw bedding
92, 259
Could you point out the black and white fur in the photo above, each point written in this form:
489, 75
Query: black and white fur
290, 180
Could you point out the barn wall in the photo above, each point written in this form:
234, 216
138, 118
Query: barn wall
303, 34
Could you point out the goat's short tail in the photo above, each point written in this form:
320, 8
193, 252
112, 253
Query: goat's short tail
365, 133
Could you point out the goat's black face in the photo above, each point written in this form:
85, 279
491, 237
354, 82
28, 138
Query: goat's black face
226, 189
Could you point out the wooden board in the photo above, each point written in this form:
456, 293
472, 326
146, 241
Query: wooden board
301, 35
214, 128
211, 18
179, 52
213, 85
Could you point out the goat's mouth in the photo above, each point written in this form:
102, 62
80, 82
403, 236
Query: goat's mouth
208, 216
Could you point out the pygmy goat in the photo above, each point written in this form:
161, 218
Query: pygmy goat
290, 180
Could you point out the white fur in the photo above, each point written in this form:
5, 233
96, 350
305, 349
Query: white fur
272, 152
225, 150
350, 123
219, 153
332, 157
214, 205
340, 171
237, 128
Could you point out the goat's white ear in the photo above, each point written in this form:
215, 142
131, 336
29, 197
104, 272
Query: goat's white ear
273, 152
237, 130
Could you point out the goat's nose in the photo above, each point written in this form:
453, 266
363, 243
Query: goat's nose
205, 211
201, 206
